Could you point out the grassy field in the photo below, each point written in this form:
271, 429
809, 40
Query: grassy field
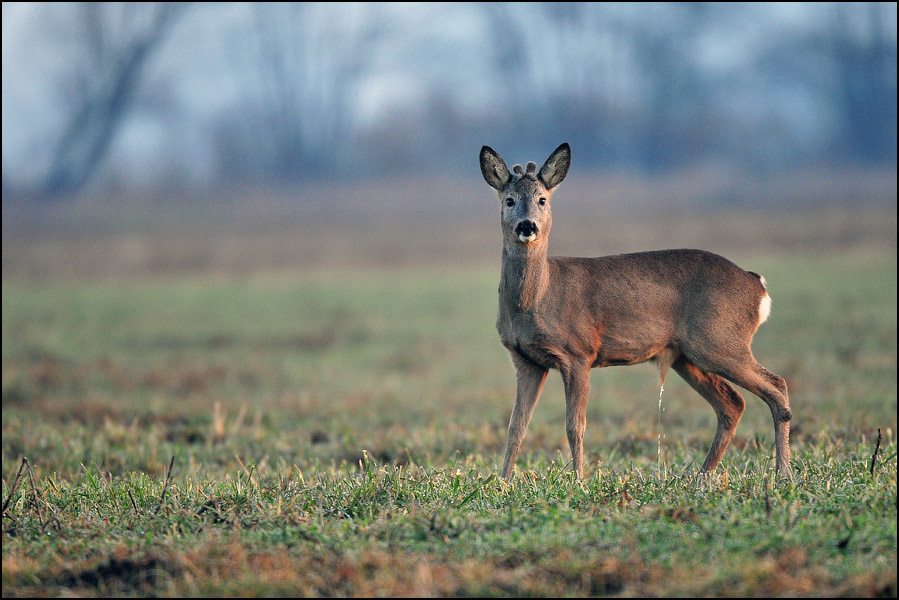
336, 431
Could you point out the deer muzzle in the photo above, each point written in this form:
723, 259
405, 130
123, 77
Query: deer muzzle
526, 231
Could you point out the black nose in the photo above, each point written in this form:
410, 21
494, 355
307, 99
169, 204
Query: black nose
526, 228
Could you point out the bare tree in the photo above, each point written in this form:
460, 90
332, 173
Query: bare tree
114, 43
300, 66
620, 80
861, 51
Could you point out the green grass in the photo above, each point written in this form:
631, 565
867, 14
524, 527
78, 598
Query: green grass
338, 433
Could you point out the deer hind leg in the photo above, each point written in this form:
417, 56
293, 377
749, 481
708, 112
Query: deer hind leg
725, 400
773, 390
531, 378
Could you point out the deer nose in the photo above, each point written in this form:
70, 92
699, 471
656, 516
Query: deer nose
526, 228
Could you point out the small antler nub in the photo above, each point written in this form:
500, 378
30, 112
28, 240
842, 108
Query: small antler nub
517, 170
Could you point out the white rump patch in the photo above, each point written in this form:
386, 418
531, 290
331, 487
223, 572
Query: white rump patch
764, 306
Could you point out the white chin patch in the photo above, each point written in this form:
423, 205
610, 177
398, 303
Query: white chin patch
527, 238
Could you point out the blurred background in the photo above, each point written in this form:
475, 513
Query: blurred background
160, 116
258, 234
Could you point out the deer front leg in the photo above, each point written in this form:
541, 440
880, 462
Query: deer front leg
577, 390
531, 378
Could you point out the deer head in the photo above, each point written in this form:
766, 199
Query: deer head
525, 195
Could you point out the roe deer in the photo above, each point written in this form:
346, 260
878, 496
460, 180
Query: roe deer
690, 310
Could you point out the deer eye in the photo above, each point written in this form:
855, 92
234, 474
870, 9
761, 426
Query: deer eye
510, 202
541, 201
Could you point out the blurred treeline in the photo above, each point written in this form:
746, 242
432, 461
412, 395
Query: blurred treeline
203, 96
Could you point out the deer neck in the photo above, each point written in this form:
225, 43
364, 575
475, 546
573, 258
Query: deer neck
524, 276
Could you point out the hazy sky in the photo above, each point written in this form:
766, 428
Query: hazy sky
431, 51
434, 49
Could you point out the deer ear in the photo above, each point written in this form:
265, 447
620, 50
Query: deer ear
556, 166
494, 169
